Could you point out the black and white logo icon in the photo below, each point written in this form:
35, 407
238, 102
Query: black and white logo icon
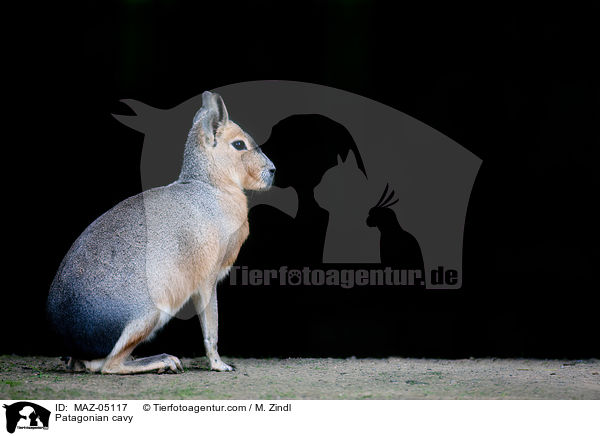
26, 415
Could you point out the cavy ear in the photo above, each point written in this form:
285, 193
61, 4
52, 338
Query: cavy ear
212, 115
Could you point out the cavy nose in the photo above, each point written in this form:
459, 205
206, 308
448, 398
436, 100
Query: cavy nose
272, 170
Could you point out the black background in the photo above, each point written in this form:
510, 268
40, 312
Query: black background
519, 88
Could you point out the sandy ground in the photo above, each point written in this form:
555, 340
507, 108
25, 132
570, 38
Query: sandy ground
393, 378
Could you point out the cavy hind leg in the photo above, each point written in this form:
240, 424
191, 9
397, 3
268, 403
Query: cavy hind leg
119, 361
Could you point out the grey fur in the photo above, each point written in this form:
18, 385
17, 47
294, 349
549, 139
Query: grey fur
116, 271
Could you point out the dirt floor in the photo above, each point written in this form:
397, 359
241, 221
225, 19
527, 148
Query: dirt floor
393, 378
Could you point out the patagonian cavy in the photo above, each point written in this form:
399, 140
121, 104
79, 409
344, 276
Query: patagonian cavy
136, 265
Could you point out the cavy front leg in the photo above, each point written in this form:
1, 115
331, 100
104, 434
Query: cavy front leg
206, 307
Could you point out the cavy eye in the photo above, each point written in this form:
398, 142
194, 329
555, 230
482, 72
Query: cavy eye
239, 145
